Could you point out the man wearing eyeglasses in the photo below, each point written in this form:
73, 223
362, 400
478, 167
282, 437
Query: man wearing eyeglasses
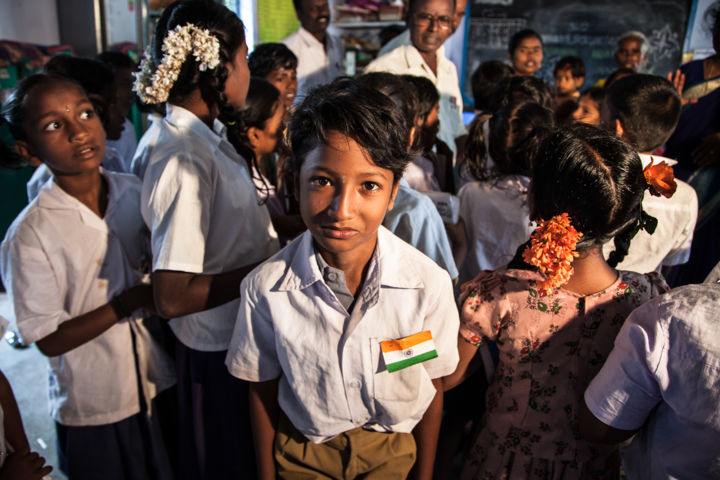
430, 23
319, 54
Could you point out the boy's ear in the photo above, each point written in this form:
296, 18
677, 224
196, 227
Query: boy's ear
393, 195
411, 136
619, 130
23, 149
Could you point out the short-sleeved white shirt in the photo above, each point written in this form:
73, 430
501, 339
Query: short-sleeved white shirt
670, 244
60, 260
144, 148
415, 219
332, 377
497, 221
202, 210
406, 59
317, 65
663, 377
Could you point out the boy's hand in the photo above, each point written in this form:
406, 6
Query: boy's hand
139, 296
25, 465
677, 78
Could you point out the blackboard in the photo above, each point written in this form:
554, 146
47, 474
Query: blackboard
588, 29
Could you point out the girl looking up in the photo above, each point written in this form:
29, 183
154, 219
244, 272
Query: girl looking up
207, 228
555, 327
72, 262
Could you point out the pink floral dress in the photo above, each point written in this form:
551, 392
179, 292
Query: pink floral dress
550, 347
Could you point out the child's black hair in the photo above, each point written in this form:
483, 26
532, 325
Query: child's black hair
594, 177
223, 25
399, 91
261, 102
520, 36
574, 63
116, 60
516, 131
426, 91
271, 56
648, 108
14, 114
518, 89
596, 93
617, 74
484, 79
356, 111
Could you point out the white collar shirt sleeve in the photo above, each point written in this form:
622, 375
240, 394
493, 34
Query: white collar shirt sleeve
331, 374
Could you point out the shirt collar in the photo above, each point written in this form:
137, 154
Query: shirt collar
645, 159
310, 39
388, 268
415, 60
185, 121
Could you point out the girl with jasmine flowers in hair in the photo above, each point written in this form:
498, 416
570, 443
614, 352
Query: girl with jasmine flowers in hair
207, 228
555, 325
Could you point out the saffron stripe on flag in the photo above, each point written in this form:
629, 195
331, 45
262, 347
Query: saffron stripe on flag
405, 343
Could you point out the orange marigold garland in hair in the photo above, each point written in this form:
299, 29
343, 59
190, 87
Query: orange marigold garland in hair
552, 250
660, 179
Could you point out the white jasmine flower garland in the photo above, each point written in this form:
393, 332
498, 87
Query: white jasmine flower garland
184, 39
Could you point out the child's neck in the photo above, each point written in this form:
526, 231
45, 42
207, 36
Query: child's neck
592, 273
195, 104
354, 264
89, 189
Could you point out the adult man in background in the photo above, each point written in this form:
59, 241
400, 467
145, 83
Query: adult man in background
319, 54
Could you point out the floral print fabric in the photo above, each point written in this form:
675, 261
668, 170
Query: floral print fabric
550, 347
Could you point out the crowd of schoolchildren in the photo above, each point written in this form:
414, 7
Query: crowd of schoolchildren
261, 287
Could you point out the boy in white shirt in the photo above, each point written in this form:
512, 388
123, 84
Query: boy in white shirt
346, 332
644, 110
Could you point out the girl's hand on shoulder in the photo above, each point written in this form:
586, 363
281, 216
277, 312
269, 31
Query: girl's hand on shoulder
24, 465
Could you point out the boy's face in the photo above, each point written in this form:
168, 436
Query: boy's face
285, 80
565, 83
431, 127
588, 111
527, 57
343, 199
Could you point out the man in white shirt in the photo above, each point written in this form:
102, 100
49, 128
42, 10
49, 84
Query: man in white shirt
320, 55
661, 382
430, 23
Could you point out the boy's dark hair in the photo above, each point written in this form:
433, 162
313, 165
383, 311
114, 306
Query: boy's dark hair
648, 108
427, 93
574, 63
223, 25
617, 74
594, 177
271, 56
516, 131
356, 111
116, 60
397, 89
596, 93
518, 89
13, 114
484, 79
520, 36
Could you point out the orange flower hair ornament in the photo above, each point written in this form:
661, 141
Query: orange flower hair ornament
660, 179
552, 250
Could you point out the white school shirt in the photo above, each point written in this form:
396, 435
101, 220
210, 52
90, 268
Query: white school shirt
202, 210
415, 219
670, 244
406, 59
125, 145
332, 377
147, 142
316, 64
497, 217
110, 162
663, 377
60, 260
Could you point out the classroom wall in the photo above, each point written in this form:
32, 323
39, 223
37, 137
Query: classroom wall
31, 21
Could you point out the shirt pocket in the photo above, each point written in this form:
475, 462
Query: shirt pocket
399, 386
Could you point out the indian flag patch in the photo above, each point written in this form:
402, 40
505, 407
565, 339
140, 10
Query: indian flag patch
402, 353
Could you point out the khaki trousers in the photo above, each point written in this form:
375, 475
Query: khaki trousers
357, 453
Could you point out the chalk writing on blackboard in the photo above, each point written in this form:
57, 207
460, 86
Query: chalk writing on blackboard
664, 44
494, 32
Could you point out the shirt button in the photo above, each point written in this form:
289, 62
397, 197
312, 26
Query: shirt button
332, 276
354, 384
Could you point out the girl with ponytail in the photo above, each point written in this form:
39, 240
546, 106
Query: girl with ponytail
554, 327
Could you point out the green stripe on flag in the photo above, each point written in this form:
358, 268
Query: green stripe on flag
394, 367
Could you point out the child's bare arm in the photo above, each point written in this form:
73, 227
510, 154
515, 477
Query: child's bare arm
468, 363
79, 330
181, 293
264, 410
24, 465
426, 435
